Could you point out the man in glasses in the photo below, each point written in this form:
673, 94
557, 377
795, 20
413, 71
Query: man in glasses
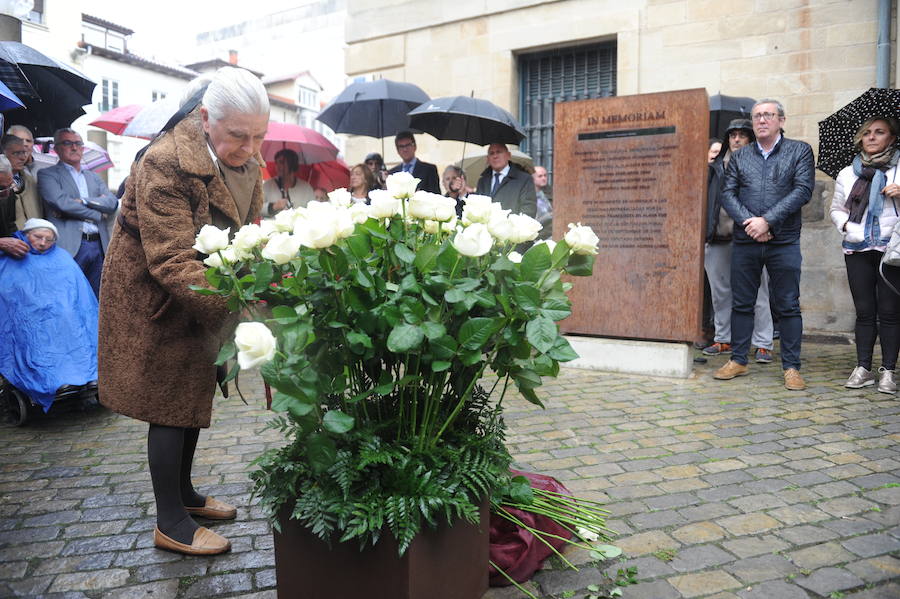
424, 171
25, 192
24, 133
79, 203
766, 185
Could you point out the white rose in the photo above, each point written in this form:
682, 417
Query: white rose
432, 226
582, 239
475, 240
340, 197
281, 248
514, 257
383, 204
359, 213
501, 228
267, 226
477, 209
284, 220
211, 239
421, 205
247, 238
255, 344
587, 535
344, 225
318, 228
215, 260
524, 228
402, 185
550, 244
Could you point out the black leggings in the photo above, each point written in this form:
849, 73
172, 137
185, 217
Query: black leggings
171, 454
877, 307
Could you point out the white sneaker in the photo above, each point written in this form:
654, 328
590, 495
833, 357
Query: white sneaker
859, 378
886, 383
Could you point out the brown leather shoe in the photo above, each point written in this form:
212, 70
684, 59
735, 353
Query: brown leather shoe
213, 510
730, 370
793, 381
205, 542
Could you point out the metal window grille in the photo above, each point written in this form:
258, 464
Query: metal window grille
560, 75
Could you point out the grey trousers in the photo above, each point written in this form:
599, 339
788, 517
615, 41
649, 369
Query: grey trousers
718, 270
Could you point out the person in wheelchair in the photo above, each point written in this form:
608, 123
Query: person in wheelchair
48, 318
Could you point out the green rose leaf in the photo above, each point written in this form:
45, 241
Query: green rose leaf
581, 265
264, 273
440, 365
443, 347
520, 490
529, 395
556, 308
562, 351
212, 277
471, 357
359, 245
337, 422
405, 337
527, 379
426, 257
356, 339
404, 253
227, 352
608, 551
474, 333
560, 252
541, 333
433, 330
535, 262
320, 451
527, 297
454, 295
284, 315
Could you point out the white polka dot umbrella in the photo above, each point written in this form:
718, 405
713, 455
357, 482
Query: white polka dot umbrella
836, 149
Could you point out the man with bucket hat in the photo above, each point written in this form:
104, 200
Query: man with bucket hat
717, 259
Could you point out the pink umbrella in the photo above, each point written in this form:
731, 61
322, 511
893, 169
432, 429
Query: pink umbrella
311, 146
117, 119
329, 175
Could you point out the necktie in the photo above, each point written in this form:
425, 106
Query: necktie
496, 184
407, 167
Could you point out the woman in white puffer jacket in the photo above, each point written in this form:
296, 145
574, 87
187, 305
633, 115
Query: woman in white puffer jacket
865, 209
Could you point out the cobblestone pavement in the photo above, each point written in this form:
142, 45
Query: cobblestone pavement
722, 490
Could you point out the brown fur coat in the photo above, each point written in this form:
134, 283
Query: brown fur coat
159, 339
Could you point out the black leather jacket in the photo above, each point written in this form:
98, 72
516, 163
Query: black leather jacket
775, 188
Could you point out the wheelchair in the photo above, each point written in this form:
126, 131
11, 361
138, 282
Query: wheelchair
17, 408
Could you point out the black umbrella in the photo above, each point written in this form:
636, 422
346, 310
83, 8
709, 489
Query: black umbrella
53, 92
723, 109
466, 119
373, 108
836, 149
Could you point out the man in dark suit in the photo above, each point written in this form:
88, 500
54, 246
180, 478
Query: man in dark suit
425, 172
507, 182
79, 203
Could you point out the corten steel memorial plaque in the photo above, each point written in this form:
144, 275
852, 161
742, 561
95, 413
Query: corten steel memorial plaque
634, 169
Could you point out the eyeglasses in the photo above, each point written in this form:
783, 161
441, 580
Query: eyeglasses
70, 144
404, 146
18, 153
764, 116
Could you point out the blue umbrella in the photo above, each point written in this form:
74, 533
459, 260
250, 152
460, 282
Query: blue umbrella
9, 100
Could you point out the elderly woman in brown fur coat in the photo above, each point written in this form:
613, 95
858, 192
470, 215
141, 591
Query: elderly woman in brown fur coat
159, 339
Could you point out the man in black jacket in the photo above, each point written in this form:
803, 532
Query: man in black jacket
507, 183
424, 171
766, 185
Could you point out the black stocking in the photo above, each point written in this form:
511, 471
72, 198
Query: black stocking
189, 496
165, 450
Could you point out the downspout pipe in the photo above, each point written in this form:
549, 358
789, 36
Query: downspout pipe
883, 49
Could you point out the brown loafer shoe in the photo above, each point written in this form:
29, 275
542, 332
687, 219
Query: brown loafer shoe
730, 370
213, 510
205, 542
793, 381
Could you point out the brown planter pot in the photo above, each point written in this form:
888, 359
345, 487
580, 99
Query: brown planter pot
448, 563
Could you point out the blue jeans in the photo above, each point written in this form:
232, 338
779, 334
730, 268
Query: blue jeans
782, 261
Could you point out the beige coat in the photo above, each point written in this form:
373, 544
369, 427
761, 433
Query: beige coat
28, 202
159, 339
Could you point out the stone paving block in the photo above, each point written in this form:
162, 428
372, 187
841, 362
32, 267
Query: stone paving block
183, 567
707, 511
806, 534
153, 590
890, 496
748, 524
13, 570
671, 500
699, 532
829, 580
775, 589
758, 569
870, 545
889, 591
876, 569
89, 581
751, 546
798, 514
659, 589
823, 554
873, 481
703, 583
648, 567
220, 585
80, 563
32, 586
660, 519
683, 484
752, 503
853, 525
845, 506
835, 489
699, 557
646, 542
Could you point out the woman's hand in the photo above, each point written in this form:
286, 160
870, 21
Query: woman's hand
891, 190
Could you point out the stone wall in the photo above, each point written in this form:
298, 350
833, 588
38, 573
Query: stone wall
813, 55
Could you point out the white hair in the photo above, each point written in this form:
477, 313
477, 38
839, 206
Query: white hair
233, 89
20, 128
193, 87
5, 166
778, 105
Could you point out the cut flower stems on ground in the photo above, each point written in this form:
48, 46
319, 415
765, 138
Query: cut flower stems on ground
375, 325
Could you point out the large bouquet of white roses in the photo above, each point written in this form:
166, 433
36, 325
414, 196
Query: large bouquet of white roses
379, 324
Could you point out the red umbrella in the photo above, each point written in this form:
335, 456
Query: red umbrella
117, 119
311, 146
329, 175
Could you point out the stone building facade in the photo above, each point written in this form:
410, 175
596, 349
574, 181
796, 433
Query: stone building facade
813, 55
